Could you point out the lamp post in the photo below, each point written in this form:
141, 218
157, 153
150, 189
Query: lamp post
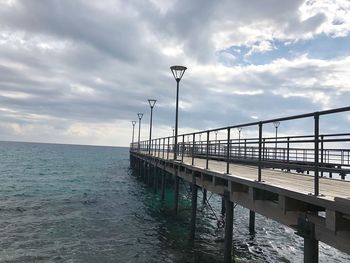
139, 115
178, 72
239, 141
133, 132
151, 102
276, 124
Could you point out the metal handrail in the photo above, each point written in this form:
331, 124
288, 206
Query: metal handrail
287, 153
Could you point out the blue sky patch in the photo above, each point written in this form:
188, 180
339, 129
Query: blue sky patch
321, 47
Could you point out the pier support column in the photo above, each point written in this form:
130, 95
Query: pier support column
204, 196
149, 174
228, 229
163, 185
251, 222
142, 168
310, 250
176, 193
155, 178
306, 229
223, 205
139, 163
194, 208
144, 174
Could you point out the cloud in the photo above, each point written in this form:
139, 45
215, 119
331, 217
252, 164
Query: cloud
78, 71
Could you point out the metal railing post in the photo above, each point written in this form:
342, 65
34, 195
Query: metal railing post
228, 151
163, 148
288, 139
159, 148
183, 148
260, 151
151, 147
155, 147
207, 157
193, 145
322, 154
316, 154
264, 151
167, 157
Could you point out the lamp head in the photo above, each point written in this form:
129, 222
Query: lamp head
276, 124
178, 72
140, 115
133, 123
239, 129
152, 102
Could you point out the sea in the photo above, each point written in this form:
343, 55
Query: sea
73, 203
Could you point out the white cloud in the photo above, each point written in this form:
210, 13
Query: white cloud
337, 13
69, 76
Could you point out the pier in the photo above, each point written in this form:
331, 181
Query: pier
298, 180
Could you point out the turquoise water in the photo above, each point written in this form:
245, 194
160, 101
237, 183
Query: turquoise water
66, 203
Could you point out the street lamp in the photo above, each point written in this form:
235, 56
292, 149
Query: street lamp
178, 72
151, 102
239, 141
276, 124
133, 132
139, 115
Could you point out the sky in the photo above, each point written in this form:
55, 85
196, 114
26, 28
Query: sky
79, 71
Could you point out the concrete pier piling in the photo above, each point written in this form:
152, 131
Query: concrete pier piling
228, 229
176, 193
163, 185
310, 250
223, 205
194, 208
251, 222
204, 200
155, 179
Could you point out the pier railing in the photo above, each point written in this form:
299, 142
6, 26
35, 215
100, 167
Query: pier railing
316, 154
